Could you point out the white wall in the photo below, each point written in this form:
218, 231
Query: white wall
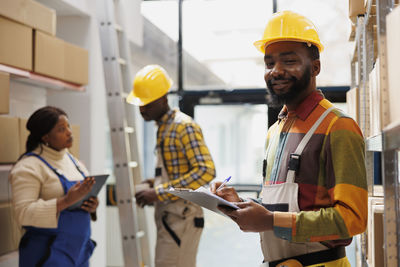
25, 99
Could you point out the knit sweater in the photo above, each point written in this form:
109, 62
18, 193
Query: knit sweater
35, 187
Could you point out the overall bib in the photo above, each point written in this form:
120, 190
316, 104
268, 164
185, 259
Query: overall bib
67, 245
179, 223
284, 197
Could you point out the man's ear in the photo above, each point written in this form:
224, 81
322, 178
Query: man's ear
165, 100
316, 67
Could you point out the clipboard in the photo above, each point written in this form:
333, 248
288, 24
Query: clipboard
202, 197
100, 181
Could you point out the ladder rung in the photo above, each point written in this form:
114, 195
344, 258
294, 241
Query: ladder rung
133, 164
124, 94
121, 61
118, 27
129, 129
140, 234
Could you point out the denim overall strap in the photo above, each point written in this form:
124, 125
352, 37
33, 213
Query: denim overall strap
62, 178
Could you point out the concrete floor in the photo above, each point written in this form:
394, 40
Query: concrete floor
224, 244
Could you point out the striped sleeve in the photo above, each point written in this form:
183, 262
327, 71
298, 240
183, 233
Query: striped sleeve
201, 166
345, 179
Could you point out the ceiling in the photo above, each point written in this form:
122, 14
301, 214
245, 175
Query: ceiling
220, 34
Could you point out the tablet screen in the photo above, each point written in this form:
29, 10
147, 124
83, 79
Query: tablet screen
100, 181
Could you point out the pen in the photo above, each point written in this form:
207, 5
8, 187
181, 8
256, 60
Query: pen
224, 183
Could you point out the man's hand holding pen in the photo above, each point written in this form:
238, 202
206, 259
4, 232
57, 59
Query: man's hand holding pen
226, 192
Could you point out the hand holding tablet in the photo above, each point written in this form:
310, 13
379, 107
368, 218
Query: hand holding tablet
99, 182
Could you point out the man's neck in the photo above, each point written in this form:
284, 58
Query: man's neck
163, 114
292, 105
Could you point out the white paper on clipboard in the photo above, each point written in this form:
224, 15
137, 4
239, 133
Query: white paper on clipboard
202, 197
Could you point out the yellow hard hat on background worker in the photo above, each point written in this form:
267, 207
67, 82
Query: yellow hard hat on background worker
289, 26
150, 83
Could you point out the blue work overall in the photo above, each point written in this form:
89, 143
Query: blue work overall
67, 245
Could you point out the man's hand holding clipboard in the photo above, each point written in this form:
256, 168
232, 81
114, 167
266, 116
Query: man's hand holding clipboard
250, 216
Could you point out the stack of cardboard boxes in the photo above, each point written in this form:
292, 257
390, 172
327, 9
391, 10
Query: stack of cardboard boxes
28, 42
27, 32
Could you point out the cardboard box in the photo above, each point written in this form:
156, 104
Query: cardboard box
10, 231
76, 64
375, 232
9, 139
356, 7
77, 140
378, 256
30, 13
15, 44
4, 93
48, 55
5, 187
352, 103
393, 59
58, 59
41, 18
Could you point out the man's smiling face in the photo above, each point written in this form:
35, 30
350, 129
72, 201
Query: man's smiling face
287, 70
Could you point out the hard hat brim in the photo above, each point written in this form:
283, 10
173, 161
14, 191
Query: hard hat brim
262, 44
132, 99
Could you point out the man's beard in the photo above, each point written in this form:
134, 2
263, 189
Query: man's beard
298, 86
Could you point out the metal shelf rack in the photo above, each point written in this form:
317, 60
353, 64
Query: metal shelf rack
38, 80
370, 44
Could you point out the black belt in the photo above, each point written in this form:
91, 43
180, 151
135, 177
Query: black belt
315, 257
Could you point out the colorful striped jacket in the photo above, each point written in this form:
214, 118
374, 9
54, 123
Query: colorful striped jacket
186, 156
332, 176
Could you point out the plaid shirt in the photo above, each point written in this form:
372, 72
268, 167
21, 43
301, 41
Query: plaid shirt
186, 156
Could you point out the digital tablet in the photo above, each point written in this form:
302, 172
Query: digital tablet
100, 181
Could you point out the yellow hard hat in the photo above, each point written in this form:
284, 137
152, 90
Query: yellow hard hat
289, 26
150, 83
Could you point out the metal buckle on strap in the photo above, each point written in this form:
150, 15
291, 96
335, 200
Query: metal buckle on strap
264, 169
294, 162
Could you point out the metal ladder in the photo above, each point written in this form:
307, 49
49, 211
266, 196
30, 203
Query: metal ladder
118, 80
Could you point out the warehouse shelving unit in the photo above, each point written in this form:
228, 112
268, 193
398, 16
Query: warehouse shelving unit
370, 44
38, 80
